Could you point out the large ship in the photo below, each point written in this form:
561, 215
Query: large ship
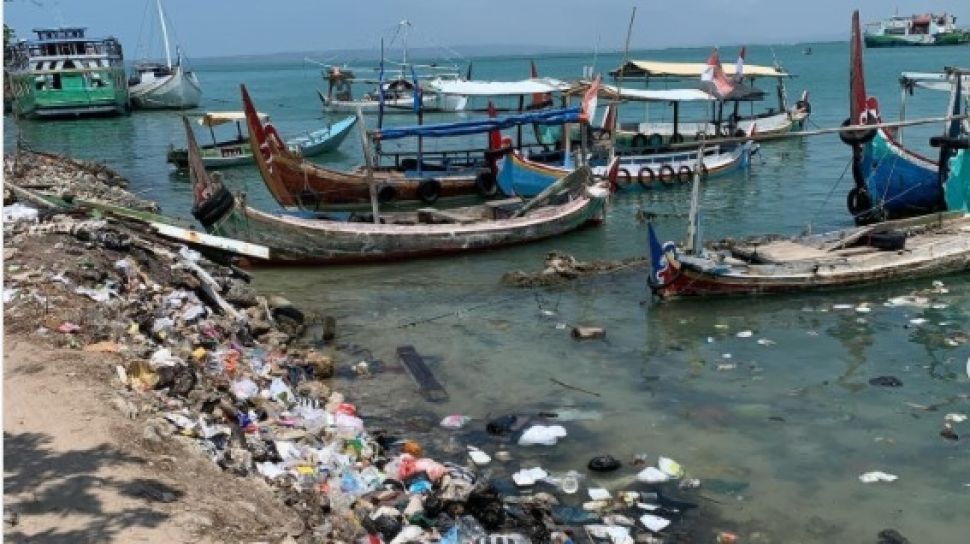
64, 74
925, 29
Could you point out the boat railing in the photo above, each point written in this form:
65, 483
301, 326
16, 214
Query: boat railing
445, 158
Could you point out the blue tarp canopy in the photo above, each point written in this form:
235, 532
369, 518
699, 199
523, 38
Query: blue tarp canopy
542, 117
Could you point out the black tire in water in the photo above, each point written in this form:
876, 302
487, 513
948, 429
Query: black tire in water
668, 175
428, 190
386, 194
685, 174
214, 207
485, 184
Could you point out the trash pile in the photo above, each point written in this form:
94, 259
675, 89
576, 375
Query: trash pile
66, 178
563, 268
207, 363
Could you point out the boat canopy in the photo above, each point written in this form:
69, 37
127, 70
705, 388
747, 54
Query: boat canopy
555, 116
936, 81
653, 68
656, 95
497, 88
215, 118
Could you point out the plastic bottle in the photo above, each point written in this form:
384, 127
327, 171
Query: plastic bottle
469, 530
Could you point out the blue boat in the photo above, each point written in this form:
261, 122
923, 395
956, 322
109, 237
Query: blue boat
891, 181
324, 139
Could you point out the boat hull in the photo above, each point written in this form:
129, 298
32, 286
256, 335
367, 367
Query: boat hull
948, 253
180, 90
917, 40
429, 103
322, 140
900, 183
31, 103
294, 240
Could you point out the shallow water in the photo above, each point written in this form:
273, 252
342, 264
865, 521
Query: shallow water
779, 432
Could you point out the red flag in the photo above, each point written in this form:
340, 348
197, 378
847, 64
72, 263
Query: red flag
715, 74
589, 101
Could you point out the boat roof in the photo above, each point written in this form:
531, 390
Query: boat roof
215, 118
936, 81
552, 116
656, 95
497, 88
656, 68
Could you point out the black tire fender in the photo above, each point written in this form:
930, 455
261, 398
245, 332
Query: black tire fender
668, 175
429, 190
646, 177
685, 174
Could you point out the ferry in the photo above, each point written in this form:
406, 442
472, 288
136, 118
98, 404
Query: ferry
62, 73
925, 29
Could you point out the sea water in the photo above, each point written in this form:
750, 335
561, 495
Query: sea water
778, 424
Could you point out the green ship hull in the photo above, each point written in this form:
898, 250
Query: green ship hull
950, 38
76, 97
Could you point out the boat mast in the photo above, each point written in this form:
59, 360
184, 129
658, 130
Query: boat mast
161, 17
619, 87
693, 229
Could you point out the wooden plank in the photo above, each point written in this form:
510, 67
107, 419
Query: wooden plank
209, 240
429, 214
428, 385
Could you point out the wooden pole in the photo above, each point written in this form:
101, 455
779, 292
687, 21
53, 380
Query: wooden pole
369, 164
695, 198
619, 87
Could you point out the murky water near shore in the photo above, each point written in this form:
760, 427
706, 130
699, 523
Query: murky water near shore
778, 425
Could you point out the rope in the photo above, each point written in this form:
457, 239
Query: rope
829, 195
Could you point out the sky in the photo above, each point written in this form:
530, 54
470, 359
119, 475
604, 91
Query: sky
212, 28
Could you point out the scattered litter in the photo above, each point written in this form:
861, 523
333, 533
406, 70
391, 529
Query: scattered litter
97, 295
877, 476
68, 328
428, 385
599, 494
603, 463
842, 306
670, 467
654, 522
9, 293
652, 475
766, 342
726, 366
948, 433
478, 456
918, 321
455, 421
588, 333
744, 334
542, 435
886, 381
955, 418
18, 212
529, 476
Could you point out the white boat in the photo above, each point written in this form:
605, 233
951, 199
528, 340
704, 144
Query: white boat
155, 85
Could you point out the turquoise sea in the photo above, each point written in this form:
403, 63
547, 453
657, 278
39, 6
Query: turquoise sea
778, 424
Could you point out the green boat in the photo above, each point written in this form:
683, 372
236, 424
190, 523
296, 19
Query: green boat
64, 74
914, 30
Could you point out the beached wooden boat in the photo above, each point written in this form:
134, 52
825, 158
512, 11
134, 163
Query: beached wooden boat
322, 140
891, 251
425, 232
892, 181
155, 85
464, 174
237, 151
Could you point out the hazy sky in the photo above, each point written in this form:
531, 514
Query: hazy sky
235, 27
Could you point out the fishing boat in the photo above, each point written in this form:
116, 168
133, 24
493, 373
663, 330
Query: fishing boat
892, 181
236, 150
397, 177
314, 238
782, 118
916, 30
903, 249
62, 74
168, 85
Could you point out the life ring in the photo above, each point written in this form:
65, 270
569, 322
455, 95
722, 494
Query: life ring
656, 141
677, 138
667, 174
428, 190
646, 177
623, 178
485, 184
856, 137
639, 141
684, 173
386, 194
214, 207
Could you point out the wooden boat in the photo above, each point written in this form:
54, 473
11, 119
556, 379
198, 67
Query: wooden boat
164, 86
892, 181
916, 30
322, 140
394, 236
64, 74
237, 150
780, 119
934, 244
296, 183
234, 151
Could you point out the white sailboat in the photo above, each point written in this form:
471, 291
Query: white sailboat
164, 86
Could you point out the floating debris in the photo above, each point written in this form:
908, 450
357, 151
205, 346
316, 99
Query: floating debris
877, 476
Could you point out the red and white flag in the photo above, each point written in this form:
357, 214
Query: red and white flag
589, 102
739, 67
715, 74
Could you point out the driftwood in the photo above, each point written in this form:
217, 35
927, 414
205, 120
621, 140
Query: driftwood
574, 388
